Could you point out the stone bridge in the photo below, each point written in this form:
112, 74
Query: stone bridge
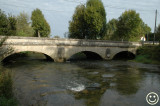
62, 49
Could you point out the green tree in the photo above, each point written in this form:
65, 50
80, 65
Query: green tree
56, 36
3, 23
12, 25
7, 24
158, 33
77, 27
39, 24
111, 29
88, 21
95, 18
129, 26
146, 28
23, 25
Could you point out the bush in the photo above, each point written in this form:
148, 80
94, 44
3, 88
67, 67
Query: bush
7, 102
6, 89
5, 84
148, 54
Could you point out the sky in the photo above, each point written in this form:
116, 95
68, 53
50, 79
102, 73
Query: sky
58, 13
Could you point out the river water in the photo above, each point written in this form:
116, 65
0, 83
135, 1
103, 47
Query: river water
83, 83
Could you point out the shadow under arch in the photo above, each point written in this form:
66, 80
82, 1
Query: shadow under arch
124, 55
85, 55
38, 55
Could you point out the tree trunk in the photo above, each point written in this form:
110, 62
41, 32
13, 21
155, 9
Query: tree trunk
39, 34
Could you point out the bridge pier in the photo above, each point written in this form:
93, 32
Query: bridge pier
59, 60
48, 58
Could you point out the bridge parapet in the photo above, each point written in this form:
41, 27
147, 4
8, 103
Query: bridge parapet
67, 42
62, 49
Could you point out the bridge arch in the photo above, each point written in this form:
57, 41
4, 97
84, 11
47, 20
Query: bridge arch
62, 49
124, 55
5, 57
89, 55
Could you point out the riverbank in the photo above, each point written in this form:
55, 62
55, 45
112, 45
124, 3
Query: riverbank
6, 89
148, 55
6, 85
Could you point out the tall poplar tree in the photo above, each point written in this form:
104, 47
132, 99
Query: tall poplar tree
39, 24
88, 21
77, 27
95, 17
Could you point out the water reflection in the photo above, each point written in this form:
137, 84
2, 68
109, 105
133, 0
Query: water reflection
128, 80
125, 80
83, 83
95, 88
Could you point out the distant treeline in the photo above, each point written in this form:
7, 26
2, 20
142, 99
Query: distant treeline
23, 25
89, 22
150, 36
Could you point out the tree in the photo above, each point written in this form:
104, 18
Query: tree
3, 23
146, 28
23, 25
66, 35
88, 21
111, 29
12, 25
95, 18
77, 27
130, 26
39, 24
57, 36
158, 33
7, 24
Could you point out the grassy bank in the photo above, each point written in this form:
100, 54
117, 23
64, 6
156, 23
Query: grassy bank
148, 54
6, 85
6, 89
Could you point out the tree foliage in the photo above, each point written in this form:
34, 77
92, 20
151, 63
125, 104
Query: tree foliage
130, 26
146, 28
77, 27
111, 29
23, 25
57, 36
95, 17
12, 25
39, 24
7, 24
3, 23
158, 33
88, 21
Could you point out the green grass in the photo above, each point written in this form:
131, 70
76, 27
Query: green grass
143, 59
8, 102
6, 85
6, 89
148, 55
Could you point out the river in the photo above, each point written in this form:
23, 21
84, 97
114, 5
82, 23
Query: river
83, 83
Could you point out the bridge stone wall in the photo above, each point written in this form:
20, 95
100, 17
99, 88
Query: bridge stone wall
62, 49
